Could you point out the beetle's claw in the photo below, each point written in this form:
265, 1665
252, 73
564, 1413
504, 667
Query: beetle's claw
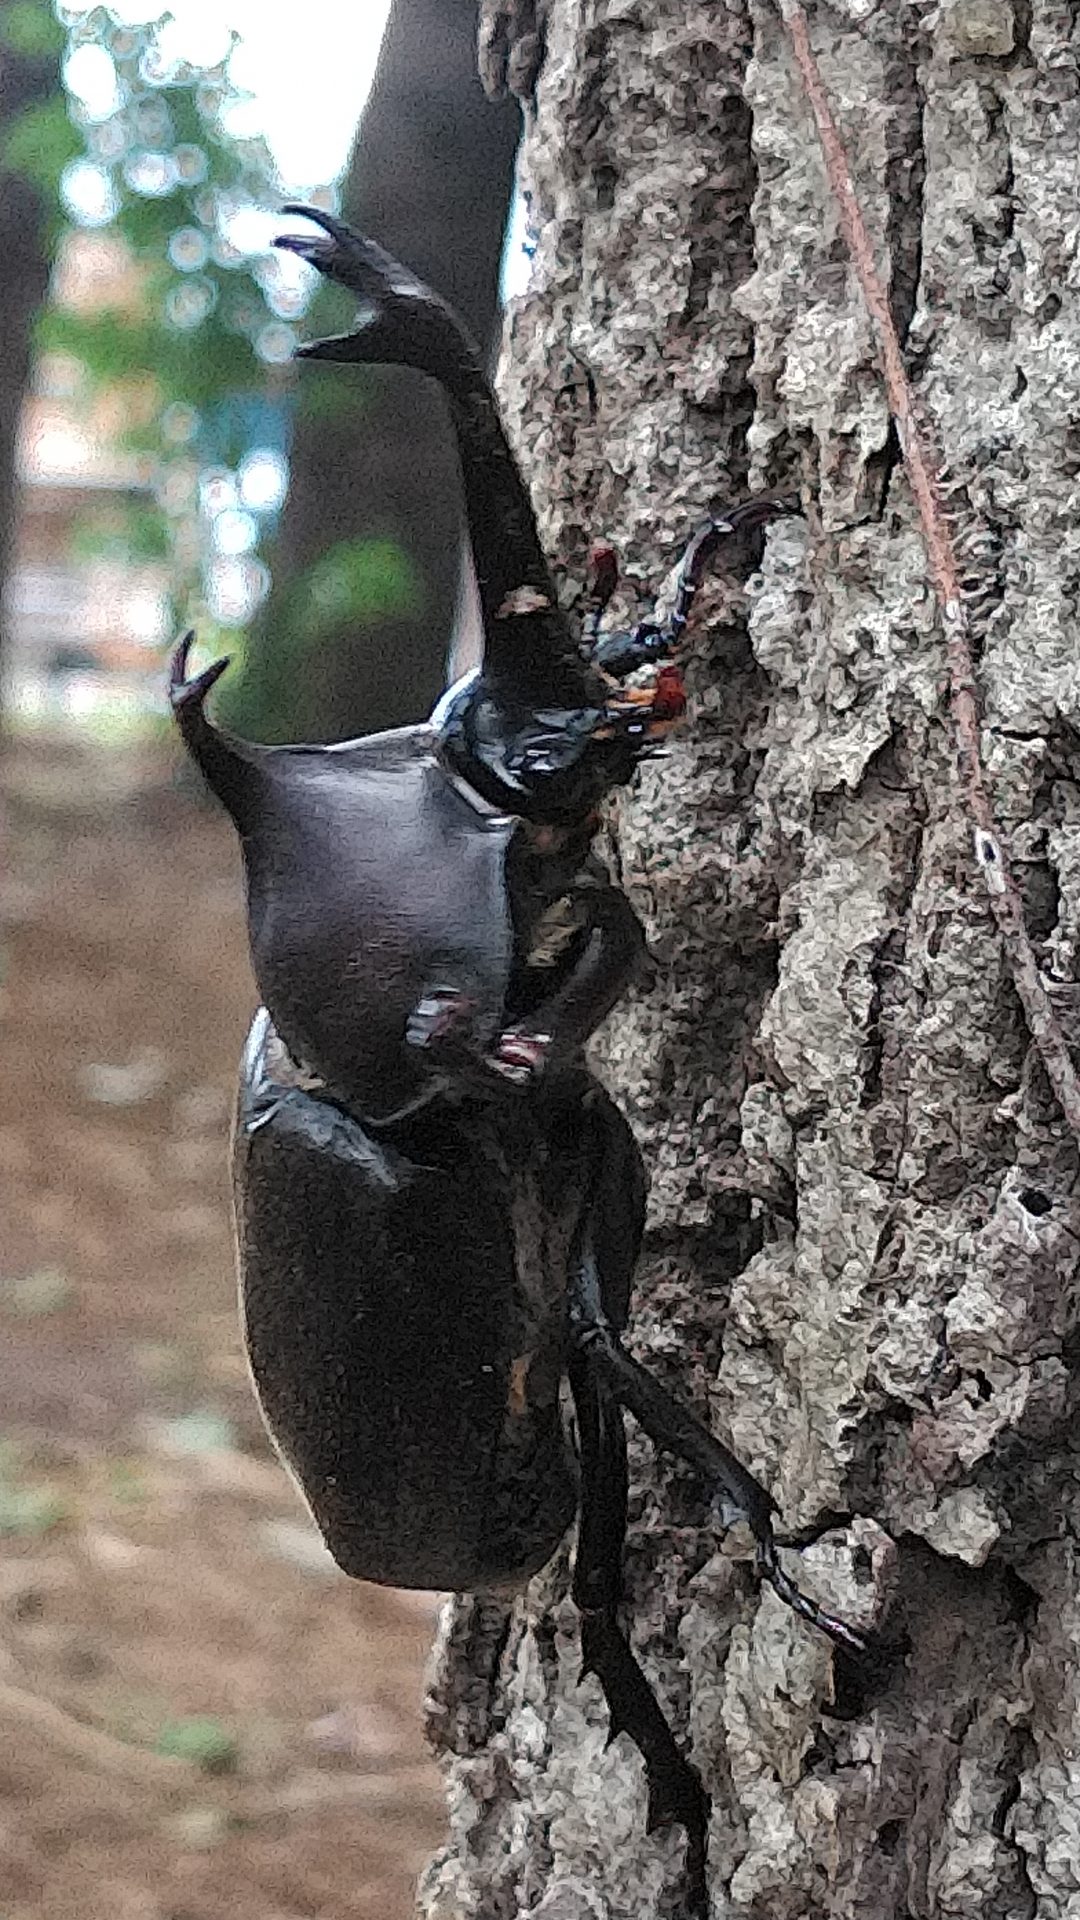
758, 512
747, 517
849, 1637
184, 692
389, 294
330, 247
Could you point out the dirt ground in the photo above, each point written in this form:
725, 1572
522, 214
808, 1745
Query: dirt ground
200, 1719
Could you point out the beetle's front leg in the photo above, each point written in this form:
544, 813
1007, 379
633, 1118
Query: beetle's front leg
614, 952
620, 654
555, 1028
675, 1792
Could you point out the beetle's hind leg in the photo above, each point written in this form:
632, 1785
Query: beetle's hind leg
604, 1260
676, 1429
675, 1792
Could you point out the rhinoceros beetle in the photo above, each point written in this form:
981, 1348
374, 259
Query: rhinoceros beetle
439, 1207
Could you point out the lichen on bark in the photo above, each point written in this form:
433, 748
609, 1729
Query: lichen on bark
864, 1224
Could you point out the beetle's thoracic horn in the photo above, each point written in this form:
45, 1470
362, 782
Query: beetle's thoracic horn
401, 322
226, 764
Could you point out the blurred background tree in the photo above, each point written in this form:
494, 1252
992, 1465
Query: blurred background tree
367, 565
166, 347
160, 418
31, 42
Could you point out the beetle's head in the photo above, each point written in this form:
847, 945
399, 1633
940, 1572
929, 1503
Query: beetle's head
552, 762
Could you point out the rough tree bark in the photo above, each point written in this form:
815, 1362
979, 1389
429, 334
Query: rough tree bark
864, 1227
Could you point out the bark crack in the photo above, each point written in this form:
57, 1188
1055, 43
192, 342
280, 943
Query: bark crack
915, 440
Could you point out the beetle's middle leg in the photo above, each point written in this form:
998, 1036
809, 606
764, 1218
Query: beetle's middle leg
599, 1293
675, 1792
676, 1429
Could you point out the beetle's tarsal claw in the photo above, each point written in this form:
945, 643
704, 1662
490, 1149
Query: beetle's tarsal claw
404, 322
754, 513
852, 1639
305, 246
335, 241
318, 215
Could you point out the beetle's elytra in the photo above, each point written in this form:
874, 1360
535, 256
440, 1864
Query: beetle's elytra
439, 1208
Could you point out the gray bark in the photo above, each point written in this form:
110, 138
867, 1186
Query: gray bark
894, 1354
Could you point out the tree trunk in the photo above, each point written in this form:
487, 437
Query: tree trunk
373, 457
864, 1228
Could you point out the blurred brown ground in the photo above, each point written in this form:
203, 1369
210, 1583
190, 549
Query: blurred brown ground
159, 1583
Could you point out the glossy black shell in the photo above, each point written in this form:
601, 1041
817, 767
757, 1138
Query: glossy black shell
373, 878
404, 1310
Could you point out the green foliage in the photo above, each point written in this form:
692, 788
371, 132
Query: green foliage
355, 586
113, 346
109, 346
39, 143
136, 530
323, 395
198, 322
28, 1507
354, 583
30, 28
